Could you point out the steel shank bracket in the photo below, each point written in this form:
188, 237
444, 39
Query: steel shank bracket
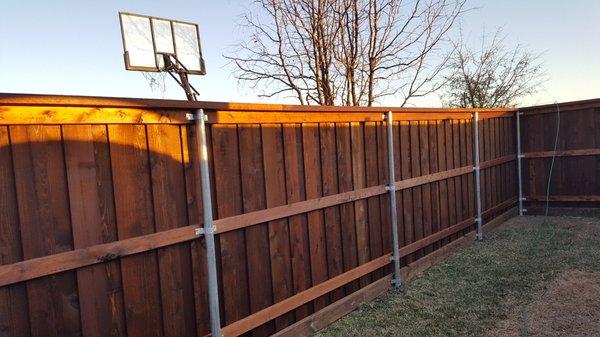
197, 116
203, 231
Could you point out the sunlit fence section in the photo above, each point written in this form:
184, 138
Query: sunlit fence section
102, 212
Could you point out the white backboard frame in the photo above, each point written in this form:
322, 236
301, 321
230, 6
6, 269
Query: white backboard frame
156, 67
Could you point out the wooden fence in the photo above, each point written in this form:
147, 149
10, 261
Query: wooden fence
575, 181
101, 202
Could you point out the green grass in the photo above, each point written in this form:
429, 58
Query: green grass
472, 290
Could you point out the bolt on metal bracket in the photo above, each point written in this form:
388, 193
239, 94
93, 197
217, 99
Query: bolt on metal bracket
199, 231
390, 187
196, 116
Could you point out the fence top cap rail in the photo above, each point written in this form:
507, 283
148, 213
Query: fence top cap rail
564, 106
9, 99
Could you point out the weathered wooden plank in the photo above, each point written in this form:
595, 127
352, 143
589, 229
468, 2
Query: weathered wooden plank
463, 162
456, 151
279, 234
347, 216
43, 206
373, 203
441, 154
444, 233
34, 115
60, 262
562, 153
449, 154
382, 155
333, 231
63, 100
360, 206
469, 161
135, 217
296, 191
426, 189
239, 221
14, 311
170, 211
435, 187
92, 211
567, 198
406, 159
415, 155
313, 180
229, 203
257, 237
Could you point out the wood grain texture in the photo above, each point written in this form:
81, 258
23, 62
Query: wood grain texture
170, 211
93, 220
279, 233
43, 206
257, 246
14, 311
232, 244
135, 217
313, 179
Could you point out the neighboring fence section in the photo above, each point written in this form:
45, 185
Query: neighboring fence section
101, 208
575, 180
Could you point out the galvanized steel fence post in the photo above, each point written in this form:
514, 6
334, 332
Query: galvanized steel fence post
477, 170
392, 190
209, 228
519, 156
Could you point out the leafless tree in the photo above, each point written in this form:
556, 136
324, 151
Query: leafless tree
348, 52
493, 76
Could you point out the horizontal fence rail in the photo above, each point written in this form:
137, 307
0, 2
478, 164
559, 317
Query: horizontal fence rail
104, 207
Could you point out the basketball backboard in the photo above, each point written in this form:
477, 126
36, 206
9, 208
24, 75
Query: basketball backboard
148, 41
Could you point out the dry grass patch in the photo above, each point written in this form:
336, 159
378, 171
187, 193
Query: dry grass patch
529, 270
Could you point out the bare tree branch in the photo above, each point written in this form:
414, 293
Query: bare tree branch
492, 76
349, 52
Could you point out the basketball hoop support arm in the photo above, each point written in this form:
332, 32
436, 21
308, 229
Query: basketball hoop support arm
183, 80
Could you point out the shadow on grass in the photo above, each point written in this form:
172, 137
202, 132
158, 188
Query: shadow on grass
490, 281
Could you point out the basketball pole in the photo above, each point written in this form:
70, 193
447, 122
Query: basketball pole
209, 228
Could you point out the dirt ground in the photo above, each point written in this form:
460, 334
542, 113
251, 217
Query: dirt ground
569, 306
533, 276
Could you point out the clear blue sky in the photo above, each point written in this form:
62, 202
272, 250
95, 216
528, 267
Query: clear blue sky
74, 47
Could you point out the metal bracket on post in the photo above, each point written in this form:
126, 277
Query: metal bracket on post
209, 228
519, 165
391, 188
477, 169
